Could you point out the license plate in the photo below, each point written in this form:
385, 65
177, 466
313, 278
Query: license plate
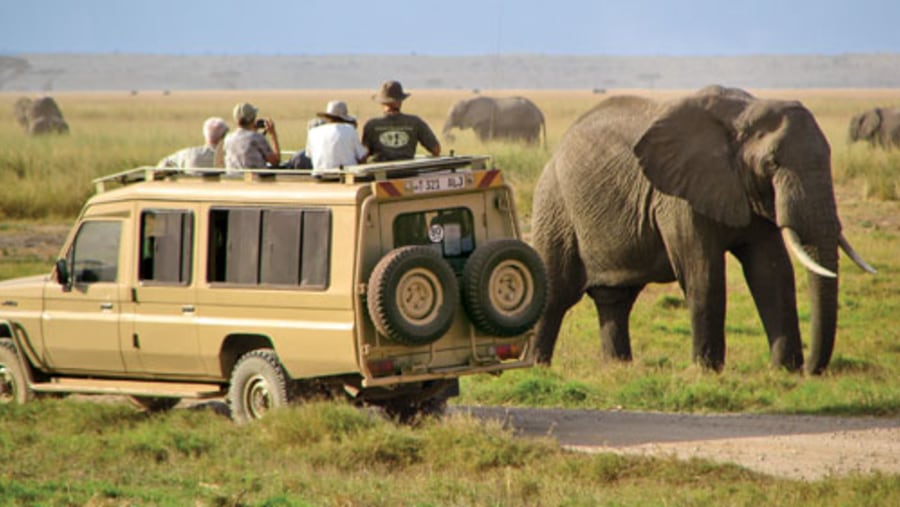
437, 183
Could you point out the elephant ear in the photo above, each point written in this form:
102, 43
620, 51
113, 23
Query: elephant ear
870, 123
687, 152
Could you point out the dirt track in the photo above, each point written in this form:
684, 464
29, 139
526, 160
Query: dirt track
796, 447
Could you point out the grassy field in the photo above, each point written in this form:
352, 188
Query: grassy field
335, 456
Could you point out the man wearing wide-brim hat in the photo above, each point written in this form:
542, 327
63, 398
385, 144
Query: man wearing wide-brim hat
396, 135
334, 144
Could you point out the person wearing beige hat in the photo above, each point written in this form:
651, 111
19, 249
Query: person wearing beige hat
208, 155
245, 148
396, 135
335, 143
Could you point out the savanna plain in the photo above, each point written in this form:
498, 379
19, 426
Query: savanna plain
84, 452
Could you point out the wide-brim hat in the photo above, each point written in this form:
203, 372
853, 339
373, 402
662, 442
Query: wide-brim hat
391, 91
337, 110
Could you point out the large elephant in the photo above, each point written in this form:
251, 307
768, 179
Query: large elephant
878, 126
640, 191
506, 118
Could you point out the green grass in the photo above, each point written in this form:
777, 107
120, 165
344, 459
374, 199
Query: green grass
333, 454
76, 453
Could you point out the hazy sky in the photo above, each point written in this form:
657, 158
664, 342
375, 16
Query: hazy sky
451, 27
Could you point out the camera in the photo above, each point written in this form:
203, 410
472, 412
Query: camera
261, 123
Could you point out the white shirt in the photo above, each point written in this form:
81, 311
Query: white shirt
333, 145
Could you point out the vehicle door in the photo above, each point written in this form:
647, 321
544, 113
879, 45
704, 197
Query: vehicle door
82, 308
164, 332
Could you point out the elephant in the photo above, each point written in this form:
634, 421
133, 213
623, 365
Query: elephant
40, 116
640, 192
508, 118
879, 126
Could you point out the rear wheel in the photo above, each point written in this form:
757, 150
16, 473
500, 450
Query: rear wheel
258, 384
413, 295
13, 384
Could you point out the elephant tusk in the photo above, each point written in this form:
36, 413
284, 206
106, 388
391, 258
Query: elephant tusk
848, 249
792, 240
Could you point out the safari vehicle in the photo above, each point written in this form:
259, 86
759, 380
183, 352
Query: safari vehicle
384, 284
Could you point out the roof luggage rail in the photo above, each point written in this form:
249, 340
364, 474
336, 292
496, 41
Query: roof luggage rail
362, 172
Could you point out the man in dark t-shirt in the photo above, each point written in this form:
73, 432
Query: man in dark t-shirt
396, 135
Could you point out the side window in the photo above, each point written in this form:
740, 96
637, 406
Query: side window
94, 255
166, 246
450, 231
277, 246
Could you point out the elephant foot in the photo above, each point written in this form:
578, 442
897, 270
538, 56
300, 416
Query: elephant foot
711, 364
617, 348
783, 355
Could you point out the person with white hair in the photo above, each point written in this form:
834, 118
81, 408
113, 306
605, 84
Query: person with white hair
208, 155
335, 143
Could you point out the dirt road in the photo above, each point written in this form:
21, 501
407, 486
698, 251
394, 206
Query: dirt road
797, 447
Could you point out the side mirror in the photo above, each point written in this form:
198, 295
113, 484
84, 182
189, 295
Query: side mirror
62, 273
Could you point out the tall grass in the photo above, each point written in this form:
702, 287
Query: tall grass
82, 453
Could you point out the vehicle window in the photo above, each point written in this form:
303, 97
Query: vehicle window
94, 255
276, 246
166, 246
450, 231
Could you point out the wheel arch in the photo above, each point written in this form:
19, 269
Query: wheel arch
236, 345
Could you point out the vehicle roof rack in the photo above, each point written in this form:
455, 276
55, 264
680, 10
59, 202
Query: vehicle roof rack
362, 172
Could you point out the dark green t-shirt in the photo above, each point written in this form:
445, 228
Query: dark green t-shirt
395, 136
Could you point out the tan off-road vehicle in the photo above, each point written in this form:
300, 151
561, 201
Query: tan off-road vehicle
385, 283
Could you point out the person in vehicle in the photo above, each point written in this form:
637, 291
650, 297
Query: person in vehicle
246, 148
208, 155
396, 135
335, 143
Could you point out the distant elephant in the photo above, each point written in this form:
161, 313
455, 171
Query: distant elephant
44, 117
640, 191
507, 118
879, 126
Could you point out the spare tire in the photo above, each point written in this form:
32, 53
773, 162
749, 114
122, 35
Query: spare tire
413, 295
504, 287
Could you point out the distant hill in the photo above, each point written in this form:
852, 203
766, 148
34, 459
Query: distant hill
80, 72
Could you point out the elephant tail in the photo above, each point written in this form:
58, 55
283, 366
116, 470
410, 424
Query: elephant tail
544, 131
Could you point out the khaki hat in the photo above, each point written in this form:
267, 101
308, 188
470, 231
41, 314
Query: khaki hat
337, 110
391, 91
244, 111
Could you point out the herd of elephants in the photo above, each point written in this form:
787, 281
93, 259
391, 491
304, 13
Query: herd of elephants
641, 191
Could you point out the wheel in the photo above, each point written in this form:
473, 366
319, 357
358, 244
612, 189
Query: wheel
153, 403
504, 287
258, 384
413, 295
13, 384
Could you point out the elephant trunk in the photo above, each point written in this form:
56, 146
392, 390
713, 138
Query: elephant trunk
812, 234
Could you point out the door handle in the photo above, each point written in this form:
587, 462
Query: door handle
188, 309
106, 306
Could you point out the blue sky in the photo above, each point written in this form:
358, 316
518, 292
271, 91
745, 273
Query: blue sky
451, 27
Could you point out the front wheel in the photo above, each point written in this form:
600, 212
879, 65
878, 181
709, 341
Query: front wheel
13, 385
258, 384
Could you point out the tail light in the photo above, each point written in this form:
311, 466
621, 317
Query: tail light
508, 350
381, 367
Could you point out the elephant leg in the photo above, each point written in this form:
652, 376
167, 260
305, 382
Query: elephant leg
770, 277
613, 309
566, 280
